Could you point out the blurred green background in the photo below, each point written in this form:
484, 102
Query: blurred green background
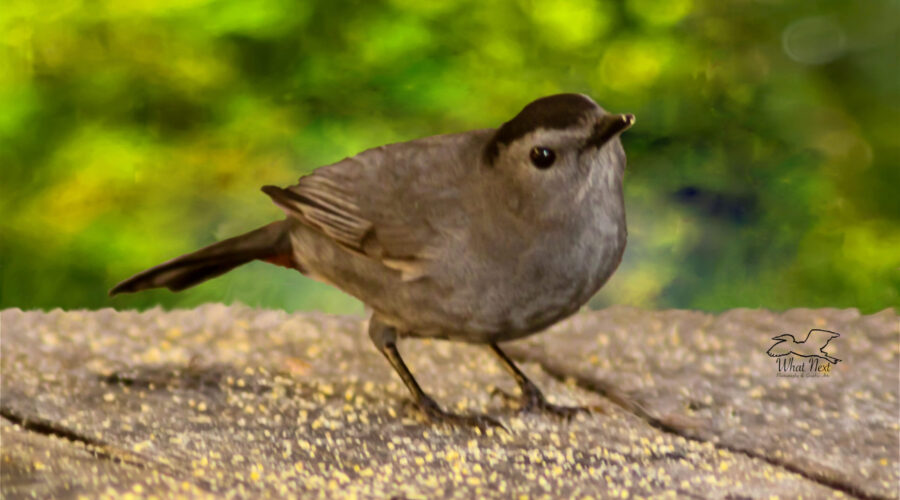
764, 169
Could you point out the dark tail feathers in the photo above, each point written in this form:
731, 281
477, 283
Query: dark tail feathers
270, 242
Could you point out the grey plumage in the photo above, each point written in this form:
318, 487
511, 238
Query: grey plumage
457, 236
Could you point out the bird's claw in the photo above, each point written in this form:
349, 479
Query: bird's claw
496, 391
533, 401
434, 413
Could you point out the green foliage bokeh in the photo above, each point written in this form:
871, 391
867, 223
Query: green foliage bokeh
763, 169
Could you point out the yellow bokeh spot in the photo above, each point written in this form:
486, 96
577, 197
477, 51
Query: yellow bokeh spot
393, 40
502, 50
659, 12
872, 247
95, 168
641, 287
431, 7
628, 65
569, 23
112, 9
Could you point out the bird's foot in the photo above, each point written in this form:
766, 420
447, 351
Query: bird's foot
434, 413
532, 400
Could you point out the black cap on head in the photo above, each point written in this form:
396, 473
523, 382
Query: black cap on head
552, 112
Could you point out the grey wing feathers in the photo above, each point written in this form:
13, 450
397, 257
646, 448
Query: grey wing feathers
383, 202
323, 204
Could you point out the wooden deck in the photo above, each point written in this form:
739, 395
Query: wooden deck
234, 402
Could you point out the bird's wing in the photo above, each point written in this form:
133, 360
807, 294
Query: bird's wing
820, 338
321, 202
383, 203
772, 348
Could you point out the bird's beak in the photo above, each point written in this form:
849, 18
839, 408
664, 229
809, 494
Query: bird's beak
609, 126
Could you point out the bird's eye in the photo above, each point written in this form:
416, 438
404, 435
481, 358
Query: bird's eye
542, 157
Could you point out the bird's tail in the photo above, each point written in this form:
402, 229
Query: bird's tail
270, 243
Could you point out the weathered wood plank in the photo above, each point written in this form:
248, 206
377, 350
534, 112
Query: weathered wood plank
235, 401
709, 377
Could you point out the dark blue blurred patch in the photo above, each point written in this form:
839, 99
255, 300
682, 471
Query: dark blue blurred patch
736, 208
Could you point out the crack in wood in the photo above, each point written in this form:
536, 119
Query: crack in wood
98, 449
670, 426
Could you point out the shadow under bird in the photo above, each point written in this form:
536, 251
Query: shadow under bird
482, 236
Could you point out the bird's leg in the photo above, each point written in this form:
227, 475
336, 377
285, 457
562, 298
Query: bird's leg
532, 399
385, 338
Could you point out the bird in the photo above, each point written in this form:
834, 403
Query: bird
812, 346
483, 236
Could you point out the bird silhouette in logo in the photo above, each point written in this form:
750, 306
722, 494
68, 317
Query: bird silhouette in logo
813, 346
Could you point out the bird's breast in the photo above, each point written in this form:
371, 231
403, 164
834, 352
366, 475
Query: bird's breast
517, 292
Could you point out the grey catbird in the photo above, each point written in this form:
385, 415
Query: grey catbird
482, 236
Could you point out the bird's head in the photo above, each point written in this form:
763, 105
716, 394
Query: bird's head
559, 147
